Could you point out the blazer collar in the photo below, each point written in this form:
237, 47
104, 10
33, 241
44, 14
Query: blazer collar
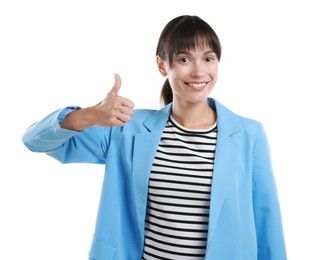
228, 122
158, 120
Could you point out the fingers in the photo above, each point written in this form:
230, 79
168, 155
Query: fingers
124, 109
127, 103
119, 117
124, 117
116, 86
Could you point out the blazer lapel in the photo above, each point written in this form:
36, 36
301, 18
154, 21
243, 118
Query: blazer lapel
225, 169
145, 147
226, 161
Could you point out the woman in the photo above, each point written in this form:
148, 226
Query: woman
192, 180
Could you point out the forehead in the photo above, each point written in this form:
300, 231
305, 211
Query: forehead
198, 43
203, 48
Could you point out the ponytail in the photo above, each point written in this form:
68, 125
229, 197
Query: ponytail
166, 95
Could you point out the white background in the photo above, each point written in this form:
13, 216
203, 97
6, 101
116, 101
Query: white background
63, 52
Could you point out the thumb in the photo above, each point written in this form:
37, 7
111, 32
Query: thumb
116, 86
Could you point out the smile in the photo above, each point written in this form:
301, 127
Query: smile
197, 85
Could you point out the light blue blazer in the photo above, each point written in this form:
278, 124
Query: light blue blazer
245, 220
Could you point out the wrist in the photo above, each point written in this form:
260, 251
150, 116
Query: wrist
78, 119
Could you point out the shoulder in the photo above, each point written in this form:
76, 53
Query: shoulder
251, 127
231, 121
248, 123
140, 115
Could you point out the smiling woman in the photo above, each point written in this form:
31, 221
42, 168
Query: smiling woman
192, 179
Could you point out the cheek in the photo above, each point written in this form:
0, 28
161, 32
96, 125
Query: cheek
174, 80
216, 67
214, 72
173, 75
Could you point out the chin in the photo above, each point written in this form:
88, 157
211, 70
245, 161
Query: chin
198, 100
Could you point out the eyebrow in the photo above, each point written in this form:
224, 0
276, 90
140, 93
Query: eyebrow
187, 52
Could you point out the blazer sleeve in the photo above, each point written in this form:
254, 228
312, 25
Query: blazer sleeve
67, 146
268, 222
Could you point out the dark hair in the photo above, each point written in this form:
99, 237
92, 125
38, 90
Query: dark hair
184, 33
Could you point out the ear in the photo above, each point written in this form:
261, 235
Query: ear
161, 66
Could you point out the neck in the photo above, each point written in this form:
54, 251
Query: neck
194, 116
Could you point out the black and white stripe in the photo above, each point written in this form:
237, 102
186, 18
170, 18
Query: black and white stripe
176, 224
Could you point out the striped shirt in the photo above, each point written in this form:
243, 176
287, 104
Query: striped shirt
177, 216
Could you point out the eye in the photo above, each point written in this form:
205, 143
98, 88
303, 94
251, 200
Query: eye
210, 59
184, 60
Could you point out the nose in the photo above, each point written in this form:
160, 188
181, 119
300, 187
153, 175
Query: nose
197, 69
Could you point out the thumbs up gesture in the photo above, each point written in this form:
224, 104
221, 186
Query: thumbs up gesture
114, 110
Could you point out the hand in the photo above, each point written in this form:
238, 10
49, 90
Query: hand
114, 110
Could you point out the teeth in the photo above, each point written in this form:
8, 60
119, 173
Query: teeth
197, 85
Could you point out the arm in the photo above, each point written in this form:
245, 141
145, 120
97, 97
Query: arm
73, 134
269, 230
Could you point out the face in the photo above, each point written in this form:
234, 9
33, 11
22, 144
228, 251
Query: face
192, 75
